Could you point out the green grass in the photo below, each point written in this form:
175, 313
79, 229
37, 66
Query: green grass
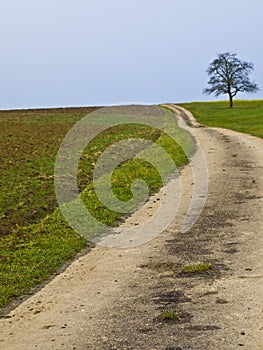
170, 315
34, 242
29, 255
29, 142
31, 248
245, 116
197, 268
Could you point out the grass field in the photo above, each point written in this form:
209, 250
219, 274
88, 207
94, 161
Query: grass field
245, 116
34, 238
29, 141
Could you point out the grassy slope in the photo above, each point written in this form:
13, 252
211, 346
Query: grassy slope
29, 254
29, 142
246, 116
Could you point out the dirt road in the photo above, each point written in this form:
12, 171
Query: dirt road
115, 298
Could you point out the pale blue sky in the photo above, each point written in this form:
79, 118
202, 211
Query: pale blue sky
82, 52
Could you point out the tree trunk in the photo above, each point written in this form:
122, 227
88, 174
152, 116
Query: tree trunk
230, 101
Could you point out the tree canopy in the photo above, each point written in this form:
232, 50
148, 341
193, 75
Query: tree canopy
229, 75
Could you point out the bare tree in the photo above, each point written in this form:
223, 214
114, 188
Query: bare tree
229, 75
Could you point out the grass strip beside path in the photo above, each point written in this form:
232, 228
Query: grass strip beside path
245, 116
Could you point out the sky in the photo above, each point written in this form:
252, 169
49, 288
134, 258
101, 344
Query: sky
57, 53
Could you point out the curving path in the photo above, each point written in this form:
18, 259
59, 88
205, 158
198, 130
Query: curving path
113, 299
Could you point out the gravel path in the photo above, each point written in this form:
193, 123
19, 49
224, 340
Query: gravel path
114, 298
